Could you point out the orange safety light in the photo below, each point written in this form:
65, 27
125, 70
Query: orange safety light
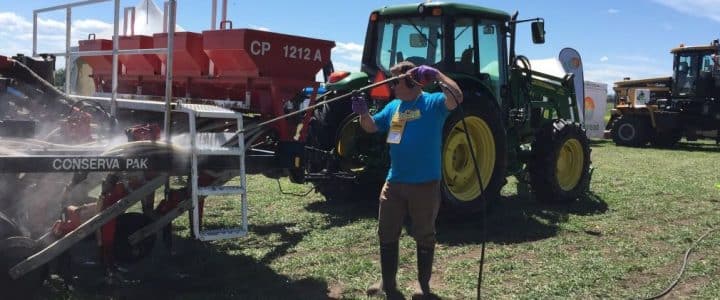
373, 17
437, 11
337, 76
381, 92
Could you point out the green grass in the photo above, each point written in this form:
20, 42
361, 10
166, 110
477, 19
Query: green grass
624, 240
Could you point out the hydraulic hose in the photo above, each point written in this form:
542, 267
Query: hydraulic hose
480, 184
379, 83
45, 83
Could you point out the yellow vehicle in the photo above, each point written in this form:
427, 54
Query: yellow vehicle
661, 111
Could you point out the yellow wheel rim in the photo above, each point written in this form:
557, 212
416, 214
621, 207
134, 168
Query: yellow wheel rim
458, 169
570, 164
346, 143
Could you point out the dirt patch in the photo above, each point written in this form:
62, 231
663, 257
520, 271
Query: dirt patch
335, 290
685, 289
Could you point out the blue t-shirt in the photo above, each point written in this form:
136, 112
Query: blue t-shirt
417, 157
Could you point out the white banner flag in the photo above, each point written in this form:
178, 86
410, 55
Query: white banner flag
572, 63
595, 103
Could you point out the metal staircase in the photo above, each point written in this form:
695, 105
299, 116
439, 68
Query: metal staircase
201, 148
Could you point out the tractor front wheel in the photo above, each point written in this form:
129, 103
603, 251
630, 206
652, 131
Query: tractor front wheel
560, 162
335, 131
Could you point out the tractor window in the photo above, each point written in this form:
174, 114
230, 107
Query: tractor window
490, 42
464, 56
685, 74
417, 40
708, 64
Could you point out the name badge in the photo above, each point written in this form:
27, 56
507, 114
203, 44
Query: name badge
397, 127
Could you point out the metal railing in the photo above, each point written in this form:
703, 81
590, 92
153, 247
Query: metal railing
170, 20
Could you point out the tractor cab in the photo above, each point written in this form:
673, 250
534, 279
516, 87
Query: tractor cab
696, 73
446, 37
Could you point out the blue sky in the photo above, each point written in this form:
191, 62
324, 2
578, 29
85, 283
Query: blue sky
615, 38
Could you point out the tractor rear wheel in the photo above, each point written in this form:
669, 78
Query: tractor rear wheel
460, 186
560, 162
630, 131
12, 251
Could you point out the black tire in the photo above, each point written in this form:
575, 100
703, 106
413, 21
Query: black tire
666, 139
325, 132
12, 251
631, 131
460, 189
552, 177
127, 224
349, 142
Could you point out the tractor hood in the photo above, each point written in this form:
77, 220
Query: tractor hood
567, 62
349, 81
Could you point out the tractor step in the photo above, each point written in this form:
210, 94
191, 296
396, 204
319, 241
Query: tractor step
220, 190
220, 151
221, 234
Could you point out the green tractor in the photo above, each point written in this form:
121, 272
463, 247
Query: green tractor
521, 122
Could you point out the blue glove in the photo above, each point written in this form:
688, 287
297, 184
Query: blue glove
359, 105
424, 74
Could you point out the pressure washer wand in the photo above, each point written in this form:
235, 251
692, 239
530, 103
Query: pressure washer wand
379, 83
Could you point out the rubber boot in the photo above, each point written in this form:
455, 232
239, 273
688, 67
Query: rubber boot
425, 257
389, 266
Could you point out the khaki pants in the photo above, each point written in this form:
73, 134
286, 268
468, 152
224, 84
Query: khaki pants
419, 201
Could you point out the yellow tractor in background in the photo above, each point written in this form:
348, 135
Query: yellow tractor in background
663, 110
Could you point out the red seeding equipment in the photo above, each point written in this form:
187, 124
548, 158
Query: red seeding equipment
137, 113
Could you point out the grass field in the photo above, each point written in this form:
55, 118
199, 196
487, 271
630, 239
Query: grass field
624, 240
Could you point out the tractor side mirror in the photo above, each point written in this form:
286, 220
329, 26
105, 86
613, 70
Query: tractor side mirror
538, 32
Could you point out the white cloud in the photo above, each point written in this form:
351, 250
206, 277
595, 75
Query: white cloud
347, 56
604, 59
10, 22
343, 66
17, 33
613, 11
348, 51
610, 73
701, 8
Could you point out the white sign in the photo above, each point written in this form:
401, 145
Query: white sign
642, 96
593, 108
